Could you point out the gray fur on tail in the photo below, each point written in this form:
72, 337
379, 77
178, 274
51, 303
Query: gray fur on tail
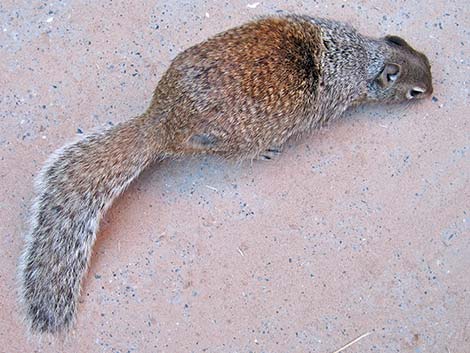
74, 189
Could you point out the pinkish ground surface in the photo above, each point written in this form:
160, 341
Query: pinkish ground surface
361, 227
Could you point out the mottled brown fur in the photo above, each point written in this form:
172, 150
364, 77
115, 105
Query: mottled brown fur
235, 95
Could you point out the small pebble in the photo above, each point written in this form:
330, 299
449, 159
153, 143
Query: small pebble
253, 6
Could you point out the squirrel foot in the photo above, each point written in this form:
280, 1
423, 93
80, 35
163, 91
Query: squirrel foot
270, 154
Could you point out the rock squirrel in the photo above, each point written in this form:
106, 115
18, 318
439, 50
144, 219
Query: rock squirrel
236, 95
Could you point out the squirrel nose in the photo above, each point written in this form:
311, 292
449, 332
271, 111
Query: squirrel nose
416, 93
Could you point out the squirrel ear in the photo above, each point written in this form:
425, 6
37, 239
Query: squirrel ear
399, 41
389, 75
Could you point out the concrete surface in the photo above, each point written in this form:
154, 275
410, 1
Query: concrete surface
361, 227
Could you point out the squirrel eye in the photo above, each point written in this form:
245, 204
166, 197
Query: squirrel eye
415, 92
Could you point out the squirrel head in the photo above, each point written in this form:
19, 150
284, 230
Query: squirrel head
404, 75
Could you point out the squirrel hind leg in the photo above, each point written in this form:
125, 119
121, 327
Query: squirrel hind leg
270, 154
203, 141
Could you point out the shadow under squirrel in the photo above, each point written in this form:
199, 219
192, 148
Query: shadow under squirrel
238, 94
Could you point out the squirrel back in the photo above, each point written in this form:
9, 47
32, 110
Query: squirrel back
237, 95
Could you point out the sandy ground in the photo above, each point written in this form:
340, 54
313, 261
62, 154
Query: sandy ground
362, 227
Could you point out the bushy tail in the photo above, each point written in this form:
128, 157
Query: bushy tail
74, 189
